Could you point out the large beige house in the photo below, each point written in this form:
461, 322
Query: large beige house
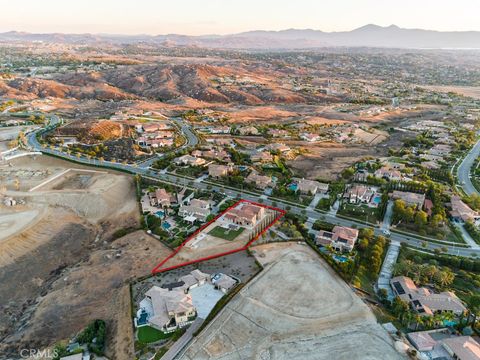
423, 300
172, 309
306, 186
161, 198
461, 211
217, 171
260, 181
340, 238
246, 215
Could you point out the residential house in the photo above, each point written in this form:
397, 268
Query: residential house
196, 210
340, 238
310, 137
194, 279
462, 348
440, 150
189, 160
218, 171
260, 181
388, 173
172, 309
276, 133
245, 215
423, 301
262, 156
461, 211
154, 143
306, 186
359, 194
248, 130
220, 130
223, 282
410, 199
282, 148
221, 154
428, 206
161, 198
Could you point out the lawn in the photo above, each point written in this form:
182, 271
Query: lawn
148, 334
361, 212
226, 234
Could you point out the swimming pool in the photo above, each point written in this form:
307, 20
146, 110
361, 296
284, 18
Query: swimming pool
340, 258
377, 200
166, 225
159, 213
292, 187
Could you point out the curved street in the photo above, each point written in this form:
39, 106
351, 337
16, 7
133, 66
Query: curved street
463, 171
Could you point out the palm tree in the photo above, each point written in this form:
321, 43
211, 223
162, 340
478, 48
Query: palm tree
444, 278
418, 321
473, 303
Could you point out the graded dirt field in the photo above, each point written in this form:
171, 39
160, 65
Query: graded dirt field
60, 266
296, 308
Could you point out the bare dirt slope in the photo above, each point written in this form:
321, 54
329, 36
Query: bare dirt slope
61, 268
308, 314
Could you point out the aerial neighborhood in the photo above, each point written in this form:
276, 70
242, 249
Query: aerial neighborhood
224, 197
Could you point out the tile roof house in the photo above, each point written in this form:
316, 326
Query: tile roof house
260, 181
411, 199
278, 133
246, 215
359, 194
194, 279
171, 308
389, 174
278, 147
248, 130
189, 160
224, 282
262, 156
217, 171
196, 210
307, 186
461, 211
310, 137
423, 300
340, 238
160, 197
462, 348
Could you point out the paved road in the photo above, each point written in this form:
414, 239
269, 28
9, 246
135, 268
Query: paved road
466, 236
463, 172
186, 130
311, 213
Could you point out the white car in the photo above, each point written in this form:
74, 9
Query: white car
386, 232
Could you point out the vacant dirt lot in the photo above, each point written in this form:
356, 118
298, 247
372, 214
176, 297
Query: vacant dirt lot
60, 268
297, 308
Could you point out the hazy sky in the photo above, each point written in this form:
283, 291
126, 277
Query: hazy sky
196, 17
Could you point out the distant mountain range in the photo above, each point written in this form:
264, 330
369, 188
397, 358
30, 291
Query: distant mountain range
366, 36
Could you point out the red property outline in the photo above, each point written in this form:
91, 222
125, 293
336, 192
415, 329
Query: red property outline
157, 270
